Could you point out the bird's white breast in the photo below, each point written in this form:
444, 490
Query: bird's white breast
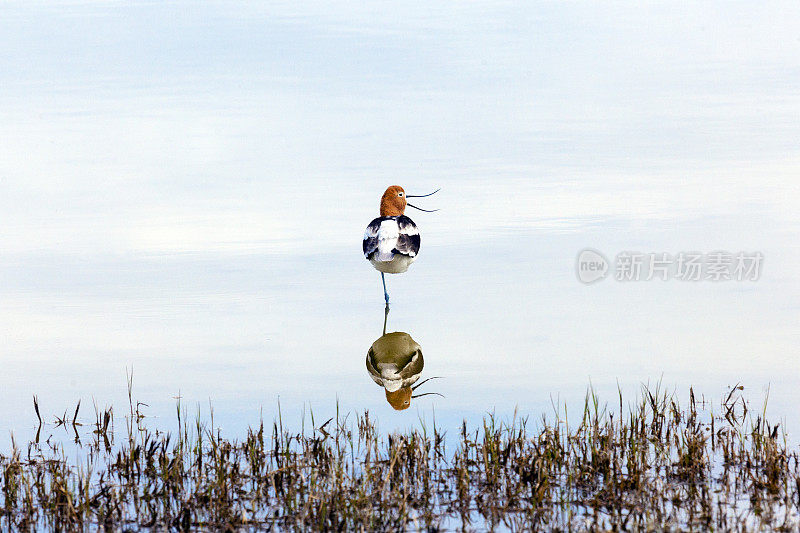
397, 265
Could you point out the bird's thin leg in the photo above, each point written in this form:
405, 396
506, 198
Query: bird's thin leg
385, 317
385, 294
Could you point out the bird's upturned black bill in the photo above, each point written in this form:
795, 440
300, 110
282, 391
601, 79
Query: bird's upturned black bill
426, 210
422, 195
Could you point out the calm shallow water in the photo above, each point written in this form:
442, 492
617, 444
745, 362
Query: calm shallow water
183, 192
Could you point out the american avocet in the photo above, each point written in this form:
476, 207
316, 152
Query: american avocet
391, 241
395, 362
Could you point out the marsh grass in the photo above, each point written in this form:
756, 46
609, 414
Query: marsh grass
651, 465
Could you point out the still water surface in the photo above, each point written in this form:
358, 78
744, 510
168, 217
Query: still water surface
183, 191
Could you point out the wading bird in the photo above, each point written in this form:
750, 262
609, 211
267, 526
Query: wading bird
391, 241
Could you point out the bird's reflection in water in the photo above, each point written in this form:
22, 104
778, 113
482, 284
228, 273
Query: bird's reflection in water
395, 362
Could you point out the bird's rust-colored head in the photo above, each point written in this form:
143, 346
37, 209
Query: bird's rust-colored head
393, 202
399, 399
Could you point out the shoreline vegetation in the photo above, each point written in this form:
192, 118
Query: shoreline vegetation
654, 464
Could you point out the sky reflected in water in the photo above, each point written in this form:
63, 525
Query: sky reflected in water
183, 191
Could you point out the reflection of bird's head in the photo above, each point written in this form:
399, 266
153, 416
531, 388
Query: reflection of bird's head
399, 399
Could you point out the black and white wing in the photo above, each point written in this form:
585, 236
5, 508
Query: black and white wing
408, 240
370, 242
